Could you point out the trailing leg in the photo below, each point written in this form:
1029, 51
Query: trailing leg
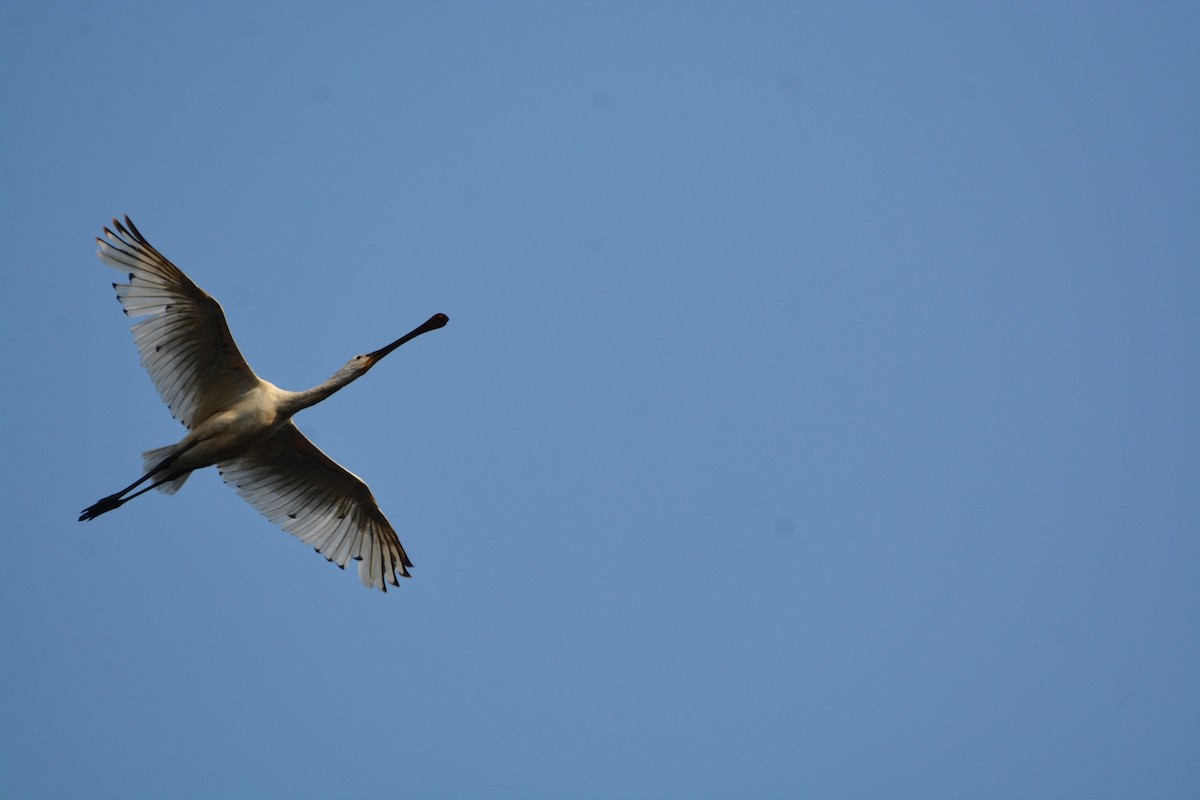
164, 457
106, 504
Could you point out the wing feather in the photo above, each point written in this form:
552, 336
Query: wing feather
296, 486
183, 340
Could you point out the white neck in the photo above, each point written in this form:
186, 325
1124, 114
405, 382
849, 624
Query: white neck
294, 402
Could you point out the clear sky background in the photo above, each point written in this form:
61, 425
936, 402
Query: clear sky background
818, 414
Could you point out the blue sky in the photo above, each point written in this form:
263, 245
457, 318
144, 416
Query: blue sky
816, 418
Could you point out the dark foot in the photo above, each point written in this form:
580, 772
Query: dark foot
101, 507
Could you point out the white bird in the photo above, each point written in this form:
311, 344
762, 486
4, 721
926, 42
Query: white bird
242, 423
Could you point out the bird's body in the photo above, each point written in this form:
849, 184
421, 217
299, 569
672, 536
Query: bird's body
228, 433
241, 423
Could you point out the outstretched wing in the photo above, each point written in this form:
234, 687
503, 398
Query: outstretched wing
184, 342
295, 485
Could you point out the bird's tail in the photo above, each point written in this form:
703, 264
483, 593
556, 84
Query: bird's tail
153, 458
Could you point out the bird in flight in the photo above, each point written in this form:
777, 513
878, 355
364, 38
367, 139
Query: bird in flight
241, 423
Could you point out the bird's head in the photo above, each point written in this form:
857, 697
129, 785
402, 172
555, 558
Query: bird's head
355, 367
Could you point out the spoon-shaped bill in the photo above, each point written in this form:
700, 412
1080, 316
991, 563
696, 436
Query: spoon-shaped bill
431, 324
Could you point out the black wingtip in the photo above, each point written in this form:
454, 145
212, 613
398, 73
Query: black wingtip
133, 229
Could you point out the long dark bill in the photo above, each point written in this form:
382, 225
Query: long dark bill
431, 324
